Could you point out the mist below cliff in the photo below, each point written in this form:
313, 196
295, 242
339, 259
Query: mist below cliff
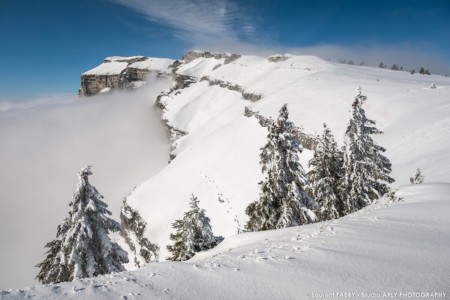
44, 143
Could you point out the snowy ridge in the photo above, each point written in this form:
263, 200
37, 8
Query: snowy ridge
363, 253
152, 63
123, 58
400, 248
108, 68
218, 159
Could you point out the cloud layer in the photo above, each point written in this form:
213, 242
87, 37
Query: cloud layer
46, 142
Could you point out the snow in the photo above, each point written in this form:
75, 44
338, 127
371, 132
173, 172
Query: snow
218, 160
386, 248
157, 64
122, 58
114, 65
108, 68
400, 248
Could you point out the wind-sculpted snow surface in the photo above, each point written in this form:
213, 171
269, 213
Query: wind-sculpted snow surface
386, 248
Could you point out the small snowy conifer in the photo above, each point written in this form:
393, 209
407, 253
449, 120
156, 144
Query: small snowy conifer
418, 177
283, 201
325, 177
193, 233
133, 229
366, 168
82, 247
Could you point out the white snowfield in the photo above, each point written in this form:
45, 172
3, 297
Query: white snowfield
115, 65
218, 160
153, 63
108, 68
387, 248
402, 248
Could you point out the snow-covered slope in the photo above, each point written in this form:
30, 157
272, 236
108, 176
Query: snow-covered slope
386, 248
109, 68
218, 159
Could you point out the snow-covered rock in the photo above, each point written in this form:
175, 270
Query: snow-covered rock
118, 72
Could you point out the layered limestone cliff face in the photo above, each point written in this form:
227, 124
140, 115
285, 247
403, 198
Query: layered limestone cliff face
119, 72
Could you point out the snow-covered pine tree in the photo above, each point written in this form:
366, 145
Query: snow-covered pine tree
418, 177
82, 247
193, 233
283, 201
325, 177
366, 168
133, 228
51, 269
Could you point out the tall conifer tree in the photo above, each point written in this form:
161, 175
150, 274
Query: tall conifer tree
283, 201
366, 168
193, 233
325, 177
82, 247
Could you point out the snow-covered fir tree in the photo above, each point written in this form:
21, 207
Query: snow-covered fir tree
418, 177
82, 247
193, 233
51, 268
133, 228
325, 177
283, 201
366, 168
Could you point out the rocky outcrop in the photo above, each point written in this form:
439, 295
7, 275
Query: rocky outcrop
278, 58
119, 72
128, 59
192, 55
95, 84
308, 141
233, 87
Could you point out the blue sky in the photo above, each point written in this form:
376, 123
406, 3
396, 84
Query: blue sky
47, 44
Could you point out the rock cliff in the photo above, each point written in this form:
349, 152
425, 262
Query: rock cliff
119, 72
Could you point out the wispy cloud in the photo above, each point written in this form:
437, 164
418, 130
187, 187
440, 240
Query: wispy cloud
196, 21
224, 25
